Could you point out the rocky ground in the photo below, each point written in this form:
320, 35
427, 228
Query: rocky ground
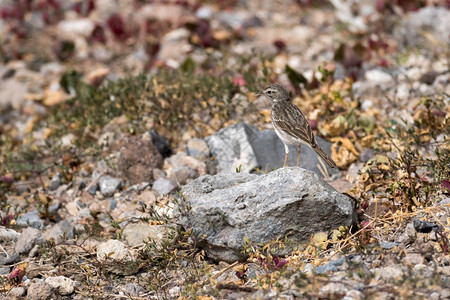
136, 163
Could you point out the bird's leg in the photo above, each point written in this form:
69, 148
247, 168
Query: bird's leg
298, 155
286, 150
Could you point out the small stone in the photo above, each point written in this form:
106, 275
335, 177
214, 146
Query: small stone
174, 292
55, 182
27, 239
138, 158
79, 27
325, 269
402, 91
423, 226
30, 219
330, 267
204, 12
307, 269
164, 186
195, 164
10, 259
183, 174
434, 296
16, 292
354, 295
72, 208
93, 189
112, 249
366, 155
389, 273
413, 258
7, 234
341, 185
12, 92
109, 185
197, 148
39, 290
333, 291
429, 77
445, 294
61, 229
96, 77
409, 236
134, 289
378, 77
147, 197
135, 234
62, 284
445, 270
116, 258
388, 245
161, 143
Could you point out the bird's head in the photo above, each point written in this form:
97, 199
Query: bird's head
275, 93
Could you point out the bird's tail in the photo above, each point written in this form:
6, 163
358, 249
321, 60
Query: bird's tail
324, 156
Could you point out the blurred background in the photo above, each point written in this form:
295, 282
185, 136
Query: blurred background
189, 68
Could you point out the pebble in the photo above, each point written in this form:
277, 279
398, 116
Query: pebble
134, 289
409, 236
197, 148
389, 273
183, 174
413, 258
93, 189
39, 290
147, 197
55, 182
112, 249
30, 219
388, 245
17, 291
59, 230
109, 185
204, 12
27, 239
63, 285
354, 295
7, 234
333, 291
330, 267
135, 234
378, 77
164, 186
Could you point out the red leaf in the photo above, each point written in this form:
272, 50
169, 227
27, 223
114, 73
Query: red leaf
446, 183
366, 224
117, 25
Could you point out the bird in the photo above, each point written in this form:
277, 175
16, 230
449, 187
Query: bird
290, 124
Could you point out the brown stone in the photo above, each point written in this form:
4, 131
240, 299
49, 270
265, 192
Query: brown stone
138, 158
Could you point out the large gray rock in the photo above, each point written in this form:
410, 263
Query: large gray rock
288, 202
243, 144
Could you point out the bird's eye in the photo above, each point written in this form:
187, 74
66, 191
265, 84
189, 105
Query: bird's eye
269, 92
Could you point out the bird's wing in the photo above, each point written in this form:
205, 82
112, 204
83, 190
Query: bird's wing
292, 120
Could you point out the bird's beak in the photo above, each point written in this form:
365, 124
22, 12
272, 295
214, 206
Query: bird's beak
258, 93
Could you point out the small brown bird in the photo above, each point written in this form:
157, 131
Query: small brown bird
290, 124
